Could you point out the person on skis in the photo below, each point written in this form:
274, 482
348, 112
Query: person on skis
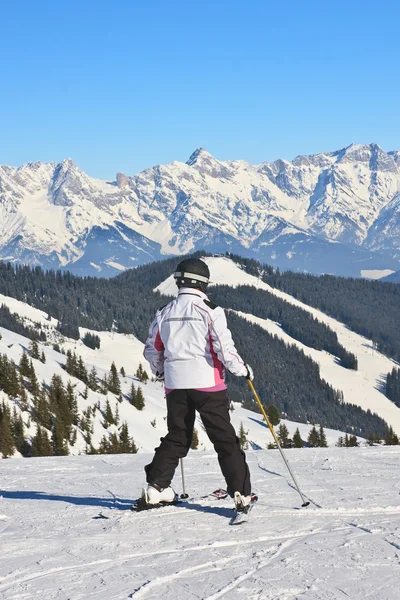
189, 346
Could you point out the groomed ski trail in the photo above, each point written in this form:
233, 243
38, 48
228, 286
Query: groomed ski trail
53, 548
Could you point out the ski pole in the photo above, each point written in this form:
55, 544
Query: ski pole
184, 495
305, 502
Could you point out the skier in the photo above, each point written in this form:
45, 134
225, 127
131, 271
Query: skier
189, 346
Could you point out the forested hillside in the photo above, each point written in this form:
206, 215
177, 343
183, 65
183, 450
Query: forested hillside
370, 308
127, 304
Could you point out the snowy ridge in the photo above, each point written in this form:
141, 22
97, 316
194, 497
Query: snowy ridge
332, 212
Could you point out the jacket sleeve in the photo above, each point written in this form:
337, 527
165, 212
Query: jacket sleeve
223, 344
154, 349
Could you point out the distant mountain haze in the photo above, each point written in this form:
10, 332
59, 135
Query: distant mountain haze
335, 212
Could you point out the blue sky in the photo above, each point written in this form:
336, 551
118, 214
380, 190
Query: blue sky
125, 85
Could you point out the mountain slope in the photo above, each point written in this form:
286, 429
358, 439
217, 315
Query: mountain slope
361, 388
332, 212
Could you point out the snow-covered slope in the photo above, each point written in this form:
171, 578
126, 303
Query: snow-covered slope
361, 387
146, 426
55, 543
332, 212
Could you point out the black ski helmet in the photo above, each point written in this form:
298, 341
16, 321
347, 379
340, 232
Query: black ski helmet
193, 273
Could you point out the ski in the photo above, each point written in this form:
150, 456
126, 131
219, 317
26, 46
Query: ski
242, 512
140, 504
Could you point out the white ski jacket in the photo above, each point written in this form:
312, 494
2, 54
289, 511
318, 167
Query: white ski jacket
190, 343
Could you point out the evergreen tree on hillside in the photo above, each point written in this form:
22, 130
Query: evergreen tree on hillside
41, 445
274, 415
7, 444
393, 386
33, 382
24, 366
283, 436
141, 374
132, 395
114, 384
108, 415
58, 439
18, 432
297, 441
313, 438
322, 438
391, 439
126, 444
139, 399
92, 380
72, 404
42, 414
243, 438
91, 341
195, 439
34, 349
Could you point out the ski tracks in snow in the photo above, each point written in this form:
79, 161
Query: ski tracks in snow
52, 548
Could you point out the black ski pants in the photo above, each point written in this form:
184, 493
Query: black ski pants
213, 408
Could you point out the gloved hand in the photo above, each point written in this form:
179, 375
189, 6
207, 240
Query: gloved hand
159, 376
249, 374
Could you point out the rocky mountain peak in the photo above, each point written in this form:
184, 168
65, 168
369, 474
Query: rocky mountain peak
206, 164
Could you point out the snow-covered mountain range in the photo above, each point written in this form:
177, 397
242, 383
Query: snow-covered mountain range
336, 212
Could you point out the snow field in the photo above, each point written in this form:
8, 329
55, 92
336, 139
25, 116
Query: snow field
57, 544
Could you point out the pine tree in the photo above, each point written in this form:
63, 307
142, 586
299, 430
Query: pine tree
114, 384
313, 438
322, 438
297, 441
14, 384
391, 439
243, 438
122, 371
274, 415
72, 404
81, 371
33, 382
141, 374
43, 357
353, 441
195, 439
108, 415
113, 443
132, 395
7, 444
58, 441
126, 443
283, 436
42, 413
41, 445
92, 380
139, 400
34, 349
